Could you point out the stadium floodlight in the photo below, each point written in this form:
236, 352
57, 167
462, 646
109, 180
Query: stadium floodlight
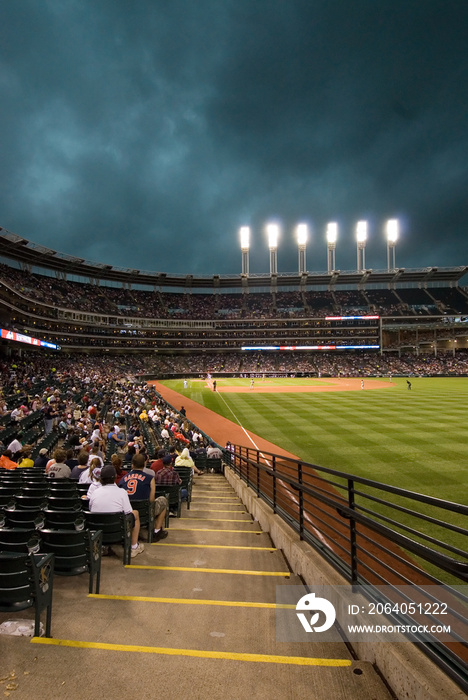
361, 238
392, 230
245, 237
302, 235
273, 233
332, 235
245, 245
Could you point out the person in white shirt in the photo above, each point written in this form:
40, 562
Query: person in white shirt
213, 452
14, 446
109, 498
16, 414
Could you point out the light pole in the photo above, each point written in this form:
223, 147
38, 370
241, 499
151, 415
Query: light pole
245, 245
332, 233
392, 230
301, 234
361, 238
273, 231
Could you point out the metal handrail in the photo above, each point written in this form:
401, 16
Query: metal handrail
361, 534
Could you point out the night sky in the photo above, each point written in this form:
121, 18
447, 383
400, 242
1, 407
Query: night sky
144, 133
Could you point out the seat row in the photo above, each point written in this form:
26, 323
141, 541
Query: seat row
29, 557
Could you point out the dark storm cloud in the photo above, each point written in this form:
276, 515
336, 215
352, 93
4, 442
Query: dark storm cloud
144, 134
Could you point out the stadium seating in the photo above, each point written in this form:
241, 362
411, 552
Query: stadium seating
173, 495
146, 510
26, 580
76, 552
116, 529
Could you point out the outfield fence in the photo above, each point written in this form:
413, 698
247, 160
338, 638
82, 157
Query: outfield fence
379, 537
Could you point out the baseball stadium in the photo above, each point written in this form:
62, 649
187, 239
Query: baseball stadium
325, 417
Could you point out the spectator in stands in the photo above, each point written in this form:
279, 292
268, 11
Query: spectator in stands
15, 447
111, 499
81, 467
158, 464
6, 461
71, 460
25, 458
74, 439
56, 467
96, 482
92, 473
115, 435
41, 460
17, 414
134, 432
117, 464
95, 453
213, 452
132, 449
141, 486
96, 434
50, 414
167, 475
185, 460
165, 433
180, 436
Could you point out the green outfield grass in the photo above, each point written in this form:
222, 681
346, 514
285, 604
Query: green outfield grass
414, 439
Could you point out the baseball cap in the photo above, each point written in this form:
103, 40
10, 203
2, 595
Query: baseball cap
43, 451
166, 459
108, 472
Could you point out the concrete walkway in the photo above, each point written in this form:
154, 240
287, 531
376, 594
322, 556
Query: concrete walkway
192, 617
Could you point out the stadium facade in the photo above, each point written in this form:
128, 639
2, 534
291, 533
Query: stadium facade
88, 307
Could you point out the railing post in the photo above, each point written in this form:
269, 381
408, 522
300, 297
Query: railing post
301, 502
352, 534
274, 483
258, 480
257, 462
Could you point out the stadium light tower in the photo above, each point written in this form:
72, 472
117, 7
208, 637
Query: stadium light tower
245, 246
273, 231
332, 234
361, 238
301, 234
392, 229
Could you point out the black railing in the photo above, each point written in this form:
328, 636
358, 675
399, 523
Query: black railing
374, 534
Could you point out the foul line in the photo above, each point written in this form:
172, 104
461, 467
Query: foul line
231, 656
238, 422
